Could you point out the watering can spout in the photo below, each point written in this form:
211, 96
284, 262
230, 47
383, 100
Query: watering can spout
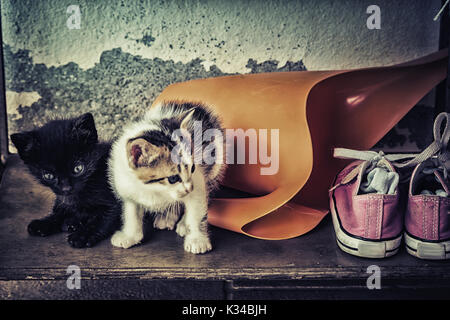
378, 98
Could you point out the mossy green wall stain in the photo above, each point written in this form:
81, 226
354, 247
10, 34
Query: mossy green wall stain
117, 89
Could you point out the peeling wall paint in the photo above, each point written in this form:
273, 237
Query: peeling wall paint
17, 100
126, 52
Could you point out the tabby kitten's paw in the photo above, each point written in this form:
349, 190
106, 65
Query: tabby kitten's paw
197, 244
42, 228
181, 229
163, 222
122, 240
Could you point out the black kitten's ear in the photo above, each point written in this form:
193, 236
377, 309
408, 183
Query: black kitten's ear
84, 129
25, 142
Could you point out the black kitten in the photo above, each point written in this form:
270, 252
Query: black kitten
66, 156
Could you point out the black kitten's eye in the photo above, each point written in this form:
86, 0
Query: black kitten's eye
193, 168
48, 176
174, 179
78, 169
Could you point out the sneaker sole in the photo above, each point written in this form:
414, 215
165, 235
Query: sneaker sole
427, 250
360, 247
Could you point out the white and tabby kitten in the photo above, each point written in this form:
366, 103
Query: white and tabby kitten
146, 176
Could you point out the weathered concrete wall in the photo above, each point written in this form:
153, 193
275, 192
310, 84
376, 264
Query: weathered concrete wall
126, 52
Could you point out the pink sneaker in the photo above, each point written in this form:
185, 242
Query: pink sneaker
427, 218
365, 205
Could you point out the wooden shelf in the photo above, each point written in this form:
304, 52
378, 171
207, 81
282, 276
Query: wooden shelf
310, 266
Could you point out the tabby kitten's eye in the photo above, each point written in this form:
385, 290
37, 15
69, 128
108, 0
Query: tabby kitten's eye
78, 169
48, 176
193, 168
174, 179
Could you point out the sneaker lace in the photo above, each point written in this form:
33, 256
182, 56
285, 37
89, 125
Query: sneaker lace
437, 149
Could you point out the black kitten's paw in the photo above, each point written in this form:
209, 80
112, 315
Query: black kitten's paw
93, 240
41, 228
71, 225
82, 239
78, 239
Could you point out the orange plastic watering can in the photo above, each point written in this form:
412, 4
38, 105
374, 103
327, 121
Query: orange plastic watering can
314, 111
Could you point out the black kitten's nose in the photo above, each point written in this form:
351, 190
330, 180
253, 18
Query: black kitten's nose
66, 189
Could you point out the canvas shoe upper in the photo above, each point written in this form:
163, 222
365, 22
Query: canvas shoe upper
366, 206
427, 218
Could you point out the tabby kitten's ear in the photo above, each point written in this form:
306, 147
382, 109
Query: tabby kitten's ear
25, 142
84, 129
186, 117
142, 153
